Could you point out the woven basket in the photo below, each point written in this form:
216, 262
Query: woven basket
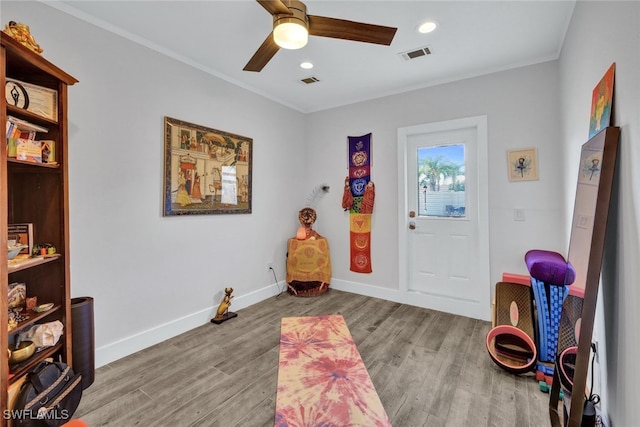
307, 289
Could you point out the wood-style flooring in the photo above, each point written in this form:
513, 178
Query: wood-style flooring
429, 368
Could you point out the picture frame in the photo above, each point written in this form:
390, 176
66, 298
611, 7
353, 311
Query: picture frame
206, 171
522, 164
602, 102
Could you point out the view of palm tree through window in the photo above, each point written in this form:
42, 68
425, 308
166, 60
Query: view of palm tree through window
441, 181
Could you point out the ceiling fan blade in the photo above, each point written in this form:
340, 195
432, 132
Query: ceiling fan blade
265, 52
274, 6
350, 30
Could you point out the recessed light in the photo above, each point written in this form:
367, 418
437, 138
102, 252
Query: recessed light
306, 65
427, 27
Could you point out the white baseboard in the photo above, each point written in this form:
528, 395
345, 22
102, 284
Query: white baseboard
134, 343
367, 290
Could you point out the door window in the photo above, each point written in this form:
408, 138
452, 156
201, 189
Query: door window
441, 181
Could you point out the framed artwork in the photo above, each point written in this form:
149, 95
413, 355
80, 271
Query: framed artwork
522, 164
602, 102
590, 167
206, 171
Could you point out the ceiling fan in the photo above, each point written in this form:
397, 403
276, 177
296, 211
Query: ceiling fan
292, 25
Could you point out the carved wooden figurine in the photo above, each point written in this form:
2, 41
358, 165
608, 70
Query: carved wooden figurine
21, 33
223, 312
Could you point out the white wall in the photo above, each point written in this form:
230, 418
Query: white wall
152, 277
521, 112
602, 33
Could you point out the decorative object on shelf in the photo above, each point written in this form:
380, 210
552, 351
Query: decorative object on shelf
43, 249
31, 303
21, 352
223, 313
43, 307
359, 202
17, 295
14, 317
522, 164
206, 171
602, 102
21, 234
22, 34
48, 151
14, 250
16, 94
37, 99
43, 334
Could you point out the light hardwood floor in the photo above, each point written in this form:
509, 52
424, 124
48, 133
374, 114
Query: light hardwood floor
429, 368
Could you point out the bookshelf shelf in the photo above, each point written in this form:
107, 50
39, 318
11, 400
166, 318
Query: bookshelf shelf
31, 262
34, 164
37, 194
30, 117
33, 317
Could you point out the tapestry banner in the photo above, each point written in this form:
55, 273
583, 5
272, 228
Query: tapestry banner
359, 201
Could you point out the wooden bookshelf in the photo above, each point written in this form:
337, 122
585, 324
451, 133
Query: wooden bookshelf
38, 194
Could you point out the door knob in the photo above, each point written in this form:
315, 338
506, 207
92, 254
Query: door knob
412, 225
412, 214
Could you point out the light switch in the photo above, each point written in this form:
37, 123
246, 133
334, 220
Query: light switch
518, 214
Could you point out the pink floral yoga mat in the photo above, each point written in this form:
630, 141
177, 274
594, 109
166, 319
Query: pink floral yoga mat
322, 380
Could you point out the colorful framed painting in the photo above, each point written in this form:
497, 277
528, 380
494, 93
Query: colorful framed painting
602, 102
522, 164
206, 171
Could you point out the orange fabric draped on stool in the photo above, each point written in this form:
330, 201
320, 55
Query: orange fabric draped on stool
308, 261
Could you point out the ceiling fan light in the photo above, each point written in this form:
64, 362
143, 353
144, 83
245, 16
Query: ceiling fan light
290, 35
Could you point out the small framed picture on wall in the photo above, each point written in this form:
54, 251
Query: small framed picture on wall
522, 165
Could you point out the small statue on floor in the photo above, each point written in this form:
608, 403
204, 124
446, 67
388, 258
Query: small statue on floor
223, 312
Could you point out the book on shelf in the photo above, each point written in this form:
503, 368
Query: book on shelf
29, 150
25, 126
23, 235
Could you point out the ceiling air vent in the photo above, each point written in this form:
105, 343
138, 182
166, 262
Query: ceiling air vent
309, 80
416, 53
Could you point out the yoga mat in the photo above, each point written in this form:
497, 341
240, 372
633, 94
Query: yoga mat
322, 380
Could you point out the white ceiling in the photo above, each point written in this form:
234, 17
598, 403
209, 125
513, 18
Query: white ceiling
219, 37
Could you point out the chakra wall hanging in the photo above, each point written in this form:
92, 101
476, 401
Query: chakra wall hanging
358, 197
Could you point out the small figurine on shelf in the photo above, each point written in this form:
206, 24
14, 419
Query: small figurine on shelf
223, 312
22, 34
43, 249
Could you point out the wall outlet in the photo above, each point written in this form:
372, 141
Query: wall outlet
518, 214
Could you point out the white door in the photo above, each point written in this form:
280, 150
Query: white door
443, 217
